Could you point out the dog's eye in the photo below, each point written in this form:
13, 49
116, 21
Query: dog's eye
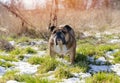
64, 32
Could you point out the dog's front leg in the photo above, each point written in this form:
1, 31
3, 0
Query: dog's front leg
72, 56
51, 53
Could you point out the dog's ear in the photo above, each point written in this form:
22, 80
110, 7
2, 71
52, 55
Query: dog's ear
67, 27
51, 28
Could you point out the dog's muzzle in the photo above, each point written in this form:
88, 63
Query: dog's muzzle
59, 38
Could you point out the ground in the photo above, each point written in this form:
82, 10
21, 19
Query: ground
97, 60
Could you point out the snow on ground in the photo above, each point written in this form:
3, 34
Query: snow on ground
12, 81
2, 71
25, 67
41, 53
96, 65
12, 43
114, 41
82, 75
116, 68
73, 80
101, 60
98, 68
109, 54
91, 59
63, 61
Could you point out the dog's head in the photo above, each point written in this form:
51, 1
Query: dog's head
60, 35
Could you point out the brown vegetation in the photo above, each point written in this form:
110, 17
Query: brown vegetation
5, 45
81, 20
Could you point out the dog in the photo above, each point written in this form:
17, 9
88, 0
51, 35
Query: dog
62, 41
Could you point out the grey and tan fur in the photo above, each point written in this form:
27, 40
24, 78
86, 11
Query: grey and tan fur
62, 41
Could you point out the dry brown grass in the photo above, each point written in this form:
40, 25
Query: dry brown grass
88, 20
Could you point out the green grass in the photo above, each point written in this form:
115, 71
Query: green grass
63, 72
29, 50
36, 60
6, 64
23, 39
30, 79
117, 57
9, 75
49, 64
16, 52
106, 47
96, 50
116, 54
8, 58
19, 51
103, 78
86, 49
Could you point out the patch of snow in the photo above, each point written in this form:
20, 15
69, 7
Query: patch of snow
12, 81
109, 54
73, 80
2, 71
2, 60
114, 41
116, 37
91, 59
87, 34
25, 67
32, 43
116, 68
12, 43
41, 53
107, 33
27, 55
82, 75
41, 42
63, 61
96, 68
51, 77
4, 54
101, 60
116, 50
98, 35
35, 48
